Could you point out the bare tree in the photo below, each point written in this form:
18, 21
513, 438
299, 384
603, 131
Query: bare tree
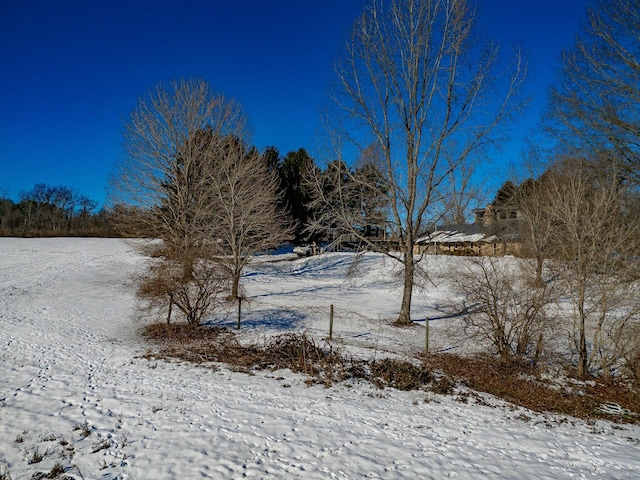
416, 83
533, 203
627, 341
164, 188
87, 205
594, 117
595, 103
65, 202
594, 243
190, 179
245, 206
167, 146
506, 308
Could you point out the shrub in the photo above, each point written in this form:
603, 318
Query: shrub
506, 307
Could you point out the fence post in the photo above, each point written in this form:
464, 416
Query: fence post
426, 335
239, 311
331, 323
170, 308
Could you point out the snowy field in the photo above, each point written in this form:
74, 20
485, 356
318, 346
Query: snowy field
74, 390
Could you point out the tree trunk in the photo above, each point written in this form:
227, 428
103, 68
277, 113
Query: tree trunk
170, 309
539, 264
235, 285
582, 351
539, 346
582, 334
407, 292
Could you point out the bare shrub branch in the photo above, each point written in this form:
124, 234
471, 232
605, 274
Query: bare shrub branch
507, 309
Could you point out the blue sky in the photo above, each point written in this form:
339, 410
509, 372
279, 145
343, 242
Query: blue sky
72, 70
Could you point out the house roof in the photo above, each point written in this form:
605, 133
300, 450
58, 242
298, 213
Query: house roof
472, 233
454, 236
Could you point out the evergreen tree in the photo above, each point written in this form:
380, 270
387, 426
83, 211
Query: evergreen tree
295, 167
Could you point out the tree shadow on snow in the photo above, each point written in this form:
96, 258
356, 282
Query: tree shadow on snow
264, 319
302, 291
452, 311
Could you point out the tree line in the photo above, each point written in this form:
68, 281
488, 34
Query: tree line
49, 210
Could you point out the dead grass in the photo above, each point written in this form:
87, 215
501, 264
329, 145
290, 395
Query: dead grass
57, 472
399, 374
84, 428
36, 457
4, 472
519, 384
527, 386
194, 344
323, 364
103, 445
203, 344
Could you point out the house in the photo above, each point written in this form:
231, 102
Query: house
495, 232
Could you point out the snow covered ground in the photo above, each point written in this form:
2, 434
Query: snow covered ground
74, 391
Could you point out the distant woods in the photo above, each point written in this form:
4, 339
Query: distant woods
49, 210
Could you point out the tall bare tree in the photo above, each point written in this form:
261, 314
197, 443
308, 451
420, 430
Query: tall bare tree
160, 190
595, 103
594, 242
595, 117
416, 82
87, 205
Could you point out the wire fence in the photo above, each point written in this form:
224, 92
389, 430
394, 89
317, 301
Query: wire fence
341, 326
